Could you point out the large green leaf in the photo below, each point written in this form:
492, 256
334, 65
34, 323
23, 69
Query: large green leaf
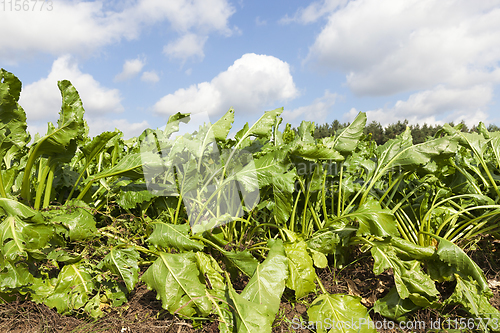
340, 313
242, 260
12, 239
13, 133
133, 194
177, 282
302, 275
71, 291
394, 307
261, 128
213, 274
461, 263
348, 139
70, 127
314, 152
474, 299
15, 208
410, 280
130, 166
268, 282
375, 220
123, 262
249, 316
167, 235
14, 275
77, 219
222, 126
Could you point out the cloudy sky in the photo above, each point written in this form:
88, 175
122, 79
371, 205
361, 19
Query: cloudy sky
135, 62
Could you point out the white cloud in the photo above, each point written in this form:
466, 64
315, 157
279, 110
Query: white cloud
386, 47
250, 84
100, 124
131, 68
189, 45
314, 11
42, 99
97, 126
436, 106
150, 76
316, 111
260, 22
80, 27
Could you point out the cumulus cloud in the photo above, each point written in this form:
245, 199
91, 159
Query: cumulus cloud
436, 106
316, 111
79, 27
42, 99
150, 76
130, 69
253, 82
189, 45
100, 124
387, 47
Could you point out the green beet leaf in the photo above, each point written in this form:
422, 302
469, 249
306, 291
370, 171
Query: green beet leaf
242, 260
394, 307
123, 262
16, 208
249, 316
461, 263
268, 282
347, 141
302, 275
17, 236
72, 289
375, 220
133, 194
70, 128
13, 244
411, 282
177, 282
13, 129
167, 235
14, 275
213, 274
77, 219
222, 127
474, 299
340, 313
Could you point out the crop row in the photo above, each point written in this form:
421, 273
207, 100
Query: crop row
83, 217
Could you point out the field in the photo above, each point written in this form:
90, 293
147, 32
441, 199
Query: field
268, 231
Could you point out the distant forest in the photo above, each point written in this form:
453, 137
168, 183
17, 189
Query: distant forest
381, 135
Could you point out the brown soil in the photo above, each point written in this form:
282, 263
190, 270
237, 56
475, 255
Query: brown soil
143, 313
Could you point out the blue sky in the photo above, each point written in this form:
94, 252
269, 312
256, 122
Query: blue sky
136, 62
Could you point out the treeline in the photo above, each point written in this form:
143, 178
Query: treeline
381, 134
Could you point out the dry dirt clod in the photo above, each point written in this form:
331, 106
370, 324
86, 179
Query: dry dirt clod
493, 284
353, 288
